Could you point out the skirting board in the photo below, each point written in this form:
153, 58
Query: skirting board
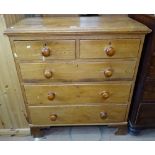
15, 132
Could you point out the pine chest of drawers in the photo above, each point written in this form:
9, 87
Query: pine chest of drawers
77, 70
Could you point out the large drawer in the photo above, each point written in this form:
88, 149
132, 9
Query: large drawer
32, 50
117, 48
77, 71
95, 114
65, 94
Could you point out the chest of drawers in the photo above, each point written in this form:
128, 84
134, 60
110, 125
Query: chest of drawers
77, 70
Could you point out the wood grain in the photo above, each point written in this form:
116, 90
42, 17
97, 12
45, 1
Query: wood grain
31, 50
75, 94
67, 94
15, 132
149, 91
12, 107
124, 48
77, 114
143, 103
146, 115
11, 19
77, 71
111, 24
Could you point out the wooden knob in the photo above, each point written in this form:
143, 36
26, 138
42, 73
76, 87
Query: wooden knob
103, 115
45, 51
108, 72
105, 94
48, 73
109, 51
53, 117
51, 96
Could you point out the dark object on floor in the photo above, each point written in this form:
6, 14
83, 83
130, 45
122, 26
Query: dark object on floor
89, 15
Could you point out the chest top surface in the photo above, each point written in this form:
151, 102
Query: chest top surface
77, 24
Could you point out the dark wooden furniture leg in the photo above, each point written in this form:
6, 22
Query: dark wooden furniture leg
121, 130
135, 131
36, 132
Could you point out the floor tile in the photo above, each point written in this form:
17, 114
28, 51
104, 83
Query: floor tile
148, 133
107, 132
145, 135
57, 134
130, 138
16, 138
85, 133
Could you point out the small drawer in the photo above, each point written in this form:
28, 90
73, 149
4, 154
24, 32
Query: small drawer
42, 50
118, 48
77, 71
70, 94
69, 115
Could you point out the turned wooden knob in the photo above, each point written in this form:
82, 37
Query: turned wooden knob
53, 117
48, 73
105, 94
108, 72
45, 51
109, 51
103, 115
51, 96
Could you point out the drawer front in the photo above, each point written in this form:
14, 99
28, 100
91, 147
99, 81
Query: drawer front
94, 114
118, 48
55, 49
65, 94
74, 71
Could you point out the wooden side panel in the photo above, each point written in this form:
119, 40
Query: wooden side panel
12, 109
78, 93
151, 67
11, 19
126, 48
77, 114
146, 114
78, 71
142, 112
149, 91
17, 132
5, 120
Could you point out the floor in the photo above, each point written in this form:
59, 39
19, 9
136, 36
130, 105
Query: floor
84, 133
